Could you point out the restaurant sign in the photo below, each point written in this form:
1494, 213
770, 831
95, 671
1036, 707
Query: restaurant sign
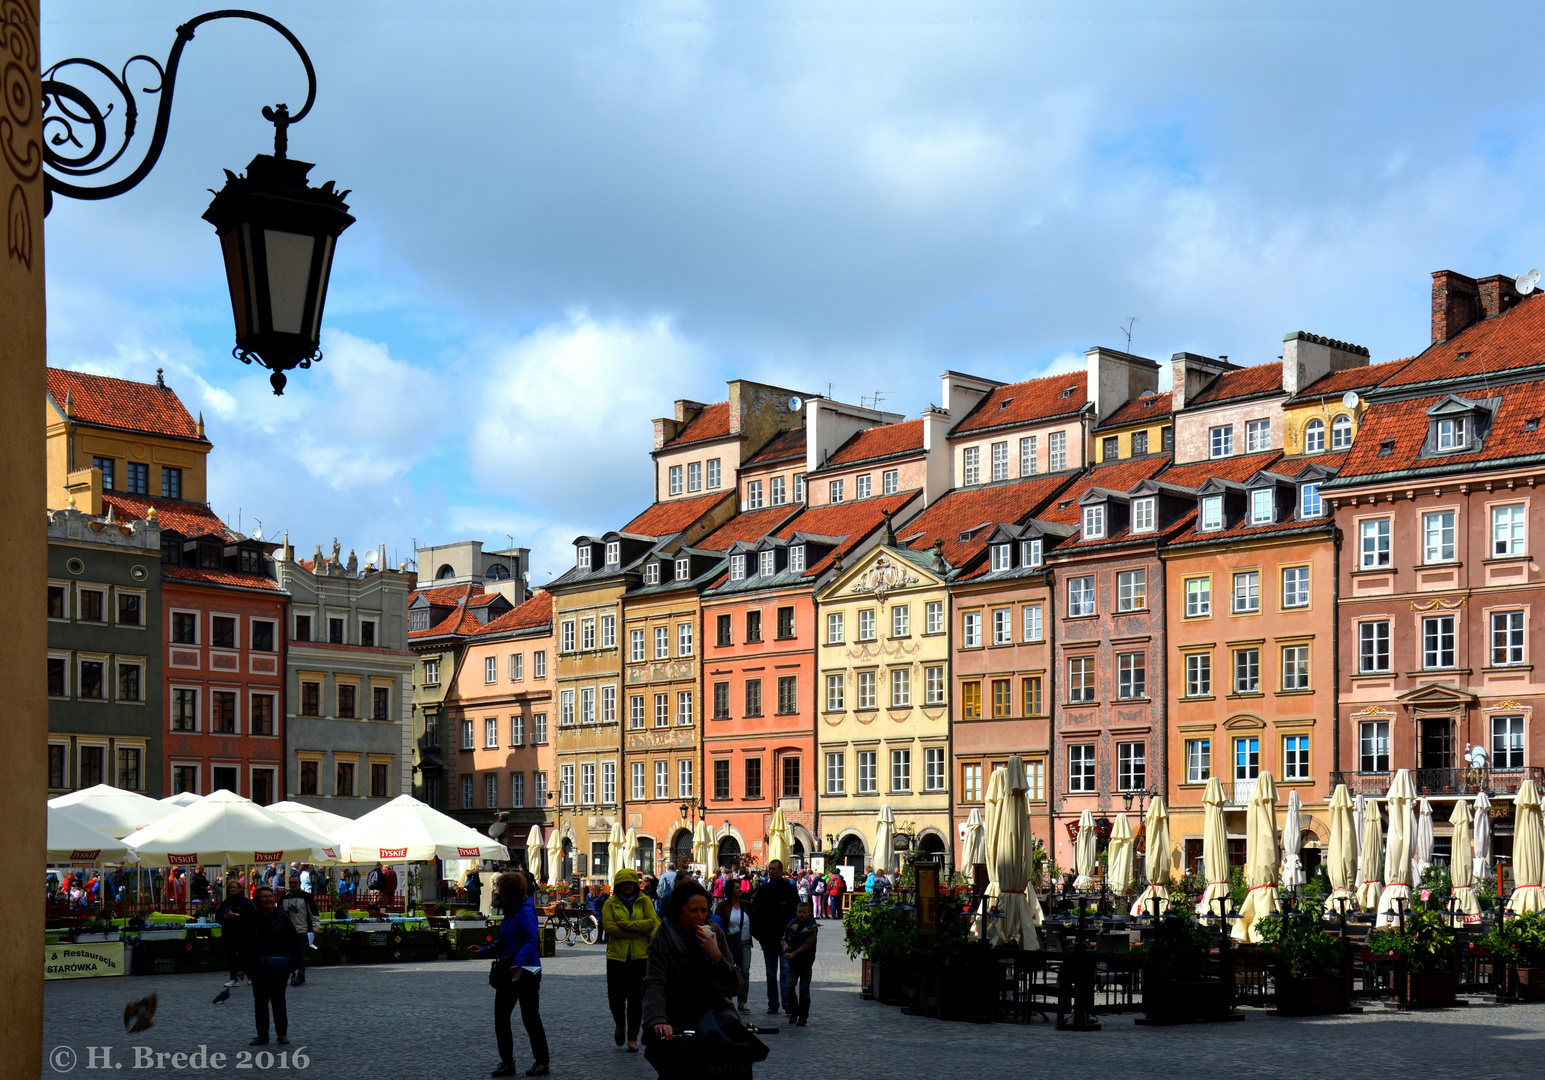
71, 961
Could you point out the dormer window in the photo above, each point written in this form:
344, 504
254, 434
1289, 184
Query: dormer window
1142, 515
1341, 432
1451, 433
767, 563
1030, 553
737, 567
683, 568
1000, 555
1094, 522
1309, 503
613, 552
651, 573
797, 559
1212, 513
1261, 506
584, 557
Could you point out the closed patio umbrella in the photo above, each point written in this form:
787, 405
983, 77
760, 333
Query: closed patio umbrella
1156, 860
780, 843
1214, 849
1421, 842
997, 785
702, 844
70, 841
1119, 856
1011, 862
884, 837
112, 810
534, 852
629, 851
1461, 863
1397, 848
974, 850
1480, 836
1369, 856
1528, 850
616, 848
1359, 821
555, 856
1341, 863
1085, 854
1292, 875
1262, 858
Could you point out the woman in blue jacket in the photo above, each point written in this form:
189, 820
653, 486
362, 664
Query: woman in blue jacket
516, 976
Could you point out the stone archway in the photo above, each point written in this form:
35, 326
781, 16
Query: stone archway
729, 851
681, 848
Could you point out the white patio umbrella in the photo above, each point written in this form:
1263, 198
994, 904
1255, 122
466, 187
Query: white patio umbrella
1397, 847
1214, 849
1086, 852
1370, 852
1011, 861
112, 810
1359, 821
702, 844
630, 850
1528, 851
974, 850
1119, 856
1461, 863
320, 820
555, 856
1292, 872
780, 839
69, 841
534, 851
406, 830
225, 828
1156, 860
181, 799
1263, 856
884, 837
1341, 863
1421, 842
616, 848
1480, 836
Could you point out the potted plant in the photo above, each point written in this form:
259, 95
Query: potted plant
1425, 949
880, 929
1176, 987
1519, 942
1310, 976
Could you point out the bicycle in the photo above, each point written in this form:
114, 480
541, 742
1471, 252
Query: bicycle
579, 923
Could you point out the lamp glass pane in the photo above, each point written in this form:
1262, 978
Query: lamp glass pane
289, 273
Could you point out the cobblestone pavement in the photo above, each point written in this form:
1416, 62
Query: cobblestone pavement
434, 1020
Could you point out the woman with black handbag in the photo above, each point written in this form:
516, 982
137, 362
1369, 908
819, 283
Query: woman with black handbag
690, 985
516, 976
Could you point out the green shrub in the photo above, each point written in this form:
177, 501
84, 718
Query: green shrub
1519, 941
1426, 943
1180, 948
1296, 942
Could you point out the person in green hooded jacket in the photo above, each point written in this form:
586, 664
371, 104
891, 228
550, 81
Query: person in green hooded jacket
629, 921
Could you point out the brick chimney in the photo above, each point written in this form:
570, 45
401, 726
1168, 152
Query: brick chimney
1455, 303
1498, 293
668, 428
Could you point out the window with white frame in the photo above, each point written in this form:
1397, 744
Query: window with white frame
1057, 451
1341, 432
1212, 513
1220, 440
714, 473
1000, 557
1257, 436
1247, 592
1198, 675
799, 488
1030, 553
684, 778
767, 563
1081, 768
1198, 761
1451, 433
1507, 638
683, 568
466, 735
1373, 746
863, 487
868, 778
866, 694
890, 482
1507, 742
608, 704
934, 613
1080, 678
582, 556
636, 711
933, 768
587, 705
901, 688
1373, 547
1310, 505
1080, 597
970, 629
587, 633
539, 664
866, 624
1373, 646
1131, 675
1002, 626
1295, 586
1438, 641
565, 708
587, 784
901, 620
662, 780
608, 631
834, 695
834, 628
651, 573
1438, 536
1507, 530
517, 789
835, 767
1094, 522
1142, 515
637, 781
675, 483
901, 770
608, 782
1262, 508
1314, 437
1027, 462
1295, 757
695, 476
566, 785
754, 495
466, 790
517, 667
1247, 671
490, 669
933, 684
971, 465
1000, 461
1030, 619
635, 646
1295, 667
1131, 590
778, 491
834, 491
613, 552
662, 643
737, 567
684, 708
1131, 766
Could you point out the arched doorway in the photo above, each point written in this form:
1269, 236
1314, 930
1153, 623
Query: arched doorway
681, 847
798, 853
851, 853
932, 843
729, 851
568, 858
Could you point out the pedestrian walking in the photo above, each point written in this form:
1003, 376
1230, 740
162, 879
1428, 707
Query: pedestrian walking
773, 905
388, 887
818, 895
799, 950
733, 917
629, 921
516, 976
301, 908
235, 915
271, 949
475, 889
834, 891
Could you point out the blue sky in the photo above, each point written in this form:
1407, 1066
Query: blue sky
570, 215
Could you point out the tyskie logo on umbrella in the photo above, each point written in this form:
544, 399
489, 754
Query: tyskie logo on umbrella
469, 852
394, 853
268, 856
182, 860
330, 853
85, 856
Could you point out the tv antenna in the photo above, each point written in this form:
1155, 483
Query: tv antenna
1127, 330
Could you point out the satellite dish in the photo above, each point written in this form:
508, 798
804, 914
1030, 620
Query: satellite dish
257, 533
796, 403
371, 557
1527, 282
1350, 399
1148, 393
1477, 757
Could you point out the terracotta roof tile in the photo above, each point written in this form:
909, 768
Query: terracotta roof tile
712, 423
1151, 408
1504, 342
1358, 378
748, 526
536, 611
1117, 476
447, 595
1188, 532
667, 518
855, 521
874, 443
784, 446
121, 403
1026, 402
1405, 423
1246, 382
189, 519
1193, 474
228, 578
965, 508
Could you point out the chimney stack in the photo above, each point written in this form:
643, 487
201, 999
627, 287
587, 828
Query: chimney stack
1116, 378
1455, 304
1497, 293
1308, 357
1190, 375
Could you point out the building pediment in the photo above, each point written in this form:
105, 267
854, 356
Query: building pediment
1436, 694
884, 571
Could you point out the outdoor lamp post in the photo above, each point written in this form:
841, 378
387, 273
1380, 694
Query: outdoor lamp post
277, 233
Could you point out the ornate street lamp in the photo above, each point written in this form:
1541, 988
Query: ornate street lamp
277, 233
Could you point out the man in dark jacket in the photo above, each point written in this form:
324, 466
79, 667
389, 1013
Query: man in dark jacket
273, 945
773, 905
301, 908
235, 916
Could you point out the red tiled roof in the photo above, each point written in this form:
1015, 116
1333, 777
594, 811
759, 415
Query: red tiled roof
189, 519
752, 525
1257, 379
966, 508
536, 611
121, 403
1117, 476
1513, 339
781, 447
712, 423
853, 520
1194, 474
1405, 423
1138, 410
228, 578
347, 648
1244, 530
873, 443
1358, 378
667, 518
447, 594
1025, 402
1292, 466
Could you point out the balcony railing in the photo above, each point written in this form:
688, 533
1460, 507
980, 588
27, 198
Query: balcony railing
1443, 782
1239, 792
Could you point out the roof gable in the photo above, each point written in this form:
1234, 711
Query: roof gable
1014, 404
153, 408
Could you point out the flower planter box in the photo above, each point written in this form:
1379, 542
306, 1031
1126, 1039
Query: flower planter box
1182, 1002
1530, 983
367, 926
83, 936
469, 924
161, 933
1430, 989
1312, 997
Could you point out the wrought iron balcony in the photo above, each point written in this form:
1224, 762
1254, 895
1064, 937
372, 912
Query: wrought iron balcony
1438, 783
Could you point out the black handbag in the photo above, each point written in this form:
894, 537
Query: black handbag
499, 973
